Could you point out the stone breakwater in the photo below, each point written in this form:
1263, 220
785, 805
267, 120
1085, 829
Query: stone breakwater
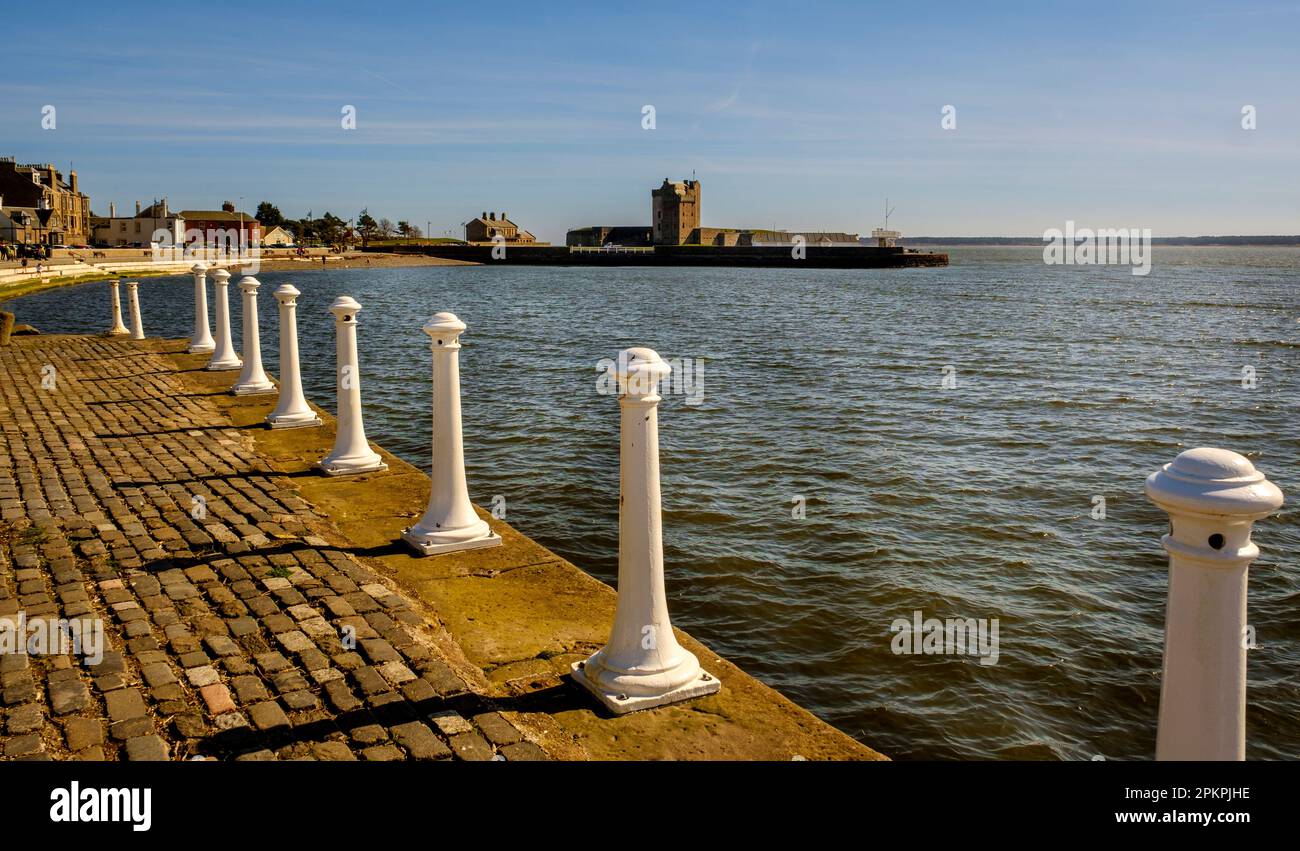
252, 608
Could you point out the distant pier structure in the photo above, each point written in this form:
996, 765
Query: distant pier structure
675, 212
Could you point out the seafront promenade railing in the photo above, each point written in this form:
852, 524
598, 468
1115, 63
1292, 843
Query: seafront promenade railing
1212, 496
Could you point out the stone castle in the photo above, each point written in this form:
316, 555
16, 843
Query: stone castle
675, 220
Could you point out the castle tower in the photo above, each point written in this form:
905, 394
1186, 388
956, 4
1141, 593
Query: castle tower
674, 211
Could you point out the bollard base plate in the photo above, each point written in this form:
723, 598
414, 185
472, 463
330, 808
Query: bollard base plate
301, 422
208, 348
118, 332
426, 549
223, 367
351, 469
619, 704
253, 389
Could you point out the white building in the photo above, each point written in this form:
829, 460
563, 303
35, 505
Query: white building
138, 231
276, 237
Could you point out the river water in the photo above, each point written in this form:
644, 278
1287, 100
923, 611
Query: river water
823, 395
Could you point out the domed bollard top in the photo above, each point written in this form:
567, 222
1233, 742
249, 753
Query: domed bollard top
201, 341
450, 523
351, 454
1213, 497
642, 665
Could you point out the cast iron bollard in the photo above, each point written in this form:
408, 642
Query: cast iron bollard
133, 303
291, 410
118, 329
351, 453
252, 380
1213, 497
642, 665
223, 356
202, 341
449, 523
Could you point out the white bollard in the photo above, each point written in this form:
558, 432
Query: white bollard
202, 340
351, 453
118, 329
449, 523
1213, 497
252, 380
133, 302
292, 410
223, 356
642, 665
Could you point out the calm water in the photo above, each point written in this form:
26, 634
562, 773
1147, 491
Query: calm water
1072, 382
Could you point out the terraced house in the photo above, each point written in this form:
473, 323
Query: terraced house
38, 206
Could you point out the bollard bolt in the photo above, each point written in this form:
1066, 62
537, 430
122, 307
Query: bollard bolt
627, 674
1213, 497
202, 341
351, 453
252, 380
291, 410
223, 356
118, 329
449, 523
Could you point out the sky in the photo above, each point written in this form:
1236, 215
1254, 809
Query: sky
798, 116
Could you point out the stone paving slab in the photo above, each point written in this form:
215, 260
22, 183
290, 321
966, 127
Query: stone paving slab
258, 610
230, 628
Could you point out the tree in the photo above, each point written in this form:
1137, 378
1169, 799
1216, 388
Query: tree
387, 228
367, 227
331, 229
415, 232
269, 215
404, 228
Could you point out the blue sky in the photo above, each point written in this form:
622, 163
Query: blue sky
794, 115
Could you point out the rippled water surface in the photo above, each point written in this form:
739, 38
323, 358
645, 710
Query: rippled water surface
1072, 383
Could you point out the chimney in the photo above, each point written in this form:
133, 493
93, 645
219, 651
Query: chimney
112, 210
503, 216
228, 206
492, 216
72, 181
164, 208
137, 208
484, 215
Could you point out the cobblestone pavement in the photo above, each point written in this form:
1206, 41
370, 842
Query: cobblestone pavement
232, 630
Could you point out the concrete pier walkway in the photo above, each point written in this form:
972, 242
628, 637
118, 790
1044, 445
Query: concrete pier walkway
255, 609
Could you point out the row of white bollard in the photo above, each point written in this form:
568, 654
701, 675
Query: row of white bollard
642, 665
1212, 496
